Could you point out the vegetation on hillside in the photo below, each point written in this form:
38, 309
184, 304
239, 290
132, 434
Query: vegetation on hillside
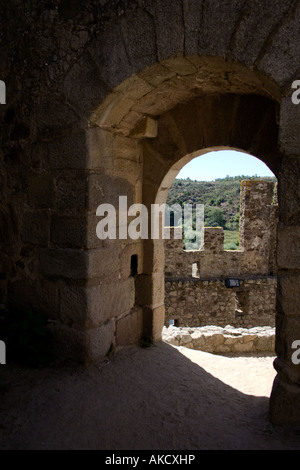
221, 199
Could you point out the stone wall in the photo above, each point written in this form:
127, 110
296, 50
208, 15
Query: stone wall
195, 281
195, 302
112, 97
226, 340
257, 250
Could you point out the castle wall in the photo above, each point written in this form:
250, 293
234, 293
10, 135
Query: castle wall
195, 287
193, 302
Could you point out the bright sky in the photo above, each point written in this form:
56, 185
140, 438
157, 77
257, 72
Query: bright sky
219, 164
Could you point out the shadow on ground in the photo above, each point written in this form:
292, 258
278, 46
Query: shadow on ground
142, 399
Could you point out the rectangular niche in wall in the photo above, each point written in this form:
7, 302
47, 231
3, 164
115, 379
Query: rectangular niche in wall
134, 265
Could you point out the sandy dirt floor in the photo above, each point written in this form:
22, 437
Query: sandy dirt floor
159, 398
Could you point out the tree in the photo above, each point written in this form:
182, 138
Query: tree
215, 218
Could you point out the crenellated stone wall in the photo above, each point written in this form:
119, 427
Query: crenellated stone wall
195, 281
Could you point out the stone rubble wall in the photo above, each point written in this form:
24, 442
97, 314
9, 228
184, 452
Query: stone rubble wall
228, 340
195, 302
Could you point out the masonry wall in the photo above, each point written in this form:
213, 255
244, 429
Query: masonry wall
196, 293
192, 302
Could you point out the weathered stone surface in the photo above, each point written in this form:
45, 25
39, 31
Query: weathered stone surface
247, 46
54, 115
169, 29
69, 343
289, 191
68, 151
288, 237
73, 306
289, 125
193, 11
139, 36
40, 192
228, 340
68, 231
105, 189
256, 255
113, 57
62, 62
284, 403
71, 188
106, 301
64, 263
218, 25
36, 228
288, 292
41, 295
100, 340
80, 264
129, 329
81, 86
281, 61
100, 148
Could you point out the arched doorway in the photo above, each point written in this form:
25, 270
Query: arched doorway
202, 297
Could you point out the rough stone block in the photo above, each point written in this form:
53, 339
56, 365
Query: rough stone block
41, 191
248, 46
36, 228
100, 148
103, 264
180, 65
68, 231
134, 87
112, 57
69, 343
193, 11
143, 292
68, 151
113, 110
156, 74
74, 306
131, 249
138, 31
71, 191
53, 115
169, 29
289, 133
289, 190
288, 237
41, 295
64, 263
110, 300
218, 25
93, 306
285, 403
81, 86
158, 316
100, 340
105, 189
129, 329
281, 60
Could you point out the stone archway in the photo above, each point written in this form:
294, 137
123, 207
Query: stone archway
170, 131
102, 100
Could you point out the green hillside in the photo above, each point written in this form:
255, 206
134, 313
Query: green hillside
221, 199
